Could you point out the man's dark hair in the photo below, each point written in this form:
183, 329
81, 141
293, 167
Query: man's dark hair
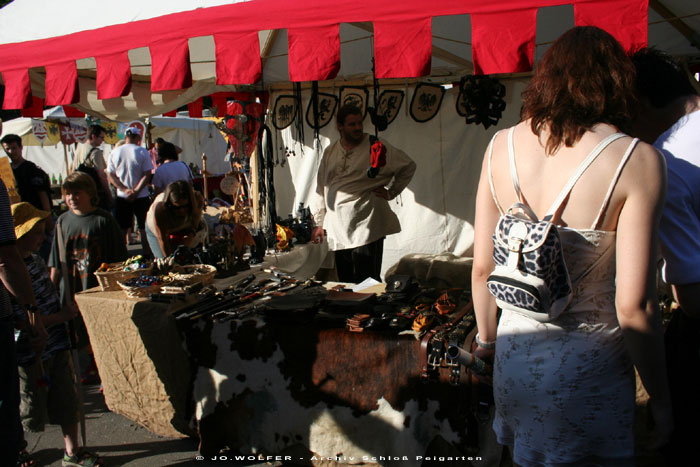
660, 78
167, 151
11, 138
345, 110
96, 130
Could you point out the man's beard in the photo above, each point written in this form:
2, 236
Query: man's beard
351, 138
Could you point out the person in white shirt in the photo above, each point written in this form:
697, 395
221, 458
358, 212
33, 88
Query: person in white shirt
90, 153
169, 168
671, 121
129, 170
352, 210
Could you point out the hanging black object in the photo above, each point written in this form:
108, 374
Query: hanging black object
426, 101
379, 120
377, 150
480, 100
266, 187
299, 120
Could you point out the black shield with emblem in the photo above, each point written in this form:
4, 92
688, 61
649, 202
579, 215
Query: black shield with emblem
355, 96
327, 104
426, 101
390, 104
284, 111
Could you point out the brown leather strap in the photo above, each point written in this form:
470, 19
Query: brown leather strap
428, 337
424, 344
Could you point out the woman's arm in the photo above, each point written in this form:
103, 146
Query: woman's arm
644, 181
159, 229
485, 222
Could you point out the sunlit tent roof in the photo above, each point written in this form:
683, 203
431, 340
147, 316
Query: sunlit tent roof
131, 59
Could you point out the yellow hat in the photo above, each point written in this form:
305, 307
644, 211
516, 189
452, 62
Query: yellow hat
25, 217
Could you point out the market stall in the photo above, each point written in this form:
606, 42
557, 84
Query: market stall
269, 377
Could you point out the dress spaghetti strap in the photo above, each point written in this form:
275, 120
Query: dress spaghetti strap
490, 175
613, 182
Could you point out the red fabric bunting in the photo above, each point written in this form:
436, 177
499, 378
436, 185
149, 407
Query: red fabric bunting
18, 93
172, 113
626, 20
170, 65
62, 84
71, 111
237, 58
195, 108
36, 109
503, 42
113, 75
403, 49
314, 53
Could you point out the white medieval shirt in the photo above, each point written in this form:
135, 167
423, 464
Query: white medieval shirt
349, 211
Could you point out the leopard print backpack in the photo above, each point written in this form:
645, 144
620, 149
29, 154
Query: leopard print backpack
530, 275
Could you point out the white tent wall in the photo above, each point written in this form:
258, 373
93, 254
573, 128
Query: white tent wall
50, 157
437, 208
195, 137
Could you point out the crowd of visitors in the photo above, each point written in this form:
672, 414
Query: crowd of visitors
40, 302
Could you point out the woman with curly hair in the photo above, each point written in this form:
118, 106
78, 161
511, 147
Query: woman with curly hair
564, 389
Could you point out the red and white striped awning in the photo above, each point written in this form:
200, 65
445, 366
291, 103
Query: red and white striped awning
502, 41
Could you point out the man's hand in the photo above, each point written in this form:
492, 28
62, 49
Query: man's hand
130, 194
317, 235
381, 192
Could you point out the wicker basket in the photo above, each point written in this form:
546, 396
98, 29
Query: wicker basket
137, 292
108, 280
193, 273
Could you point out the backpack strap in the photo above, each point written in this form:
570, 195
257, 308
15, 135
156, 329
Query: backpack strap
89, 156
613, 182
581, 169
490, 175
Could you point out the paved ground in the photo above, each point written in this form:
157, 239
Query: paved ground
119, 441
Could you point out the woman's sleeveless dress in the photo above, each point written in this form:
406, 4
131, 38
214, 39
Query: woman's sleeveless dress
564, 391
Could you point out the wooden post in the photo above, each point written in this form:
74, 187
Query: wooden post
65, 160
254, 194
204, 176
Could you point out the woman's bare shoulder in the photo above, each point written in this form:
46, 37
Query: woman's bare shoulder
645, 169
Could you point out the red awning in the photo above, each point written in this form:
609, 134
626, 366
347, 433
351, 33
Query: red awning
503, 40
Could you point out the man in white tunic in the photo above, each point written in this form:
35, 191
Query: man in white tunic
352, 211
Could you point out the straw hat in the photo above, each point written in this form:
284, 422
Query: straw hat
25, 217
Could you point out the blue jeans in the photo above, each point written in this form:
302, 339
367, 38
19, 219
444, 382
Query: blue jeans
11, 433
153, 243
